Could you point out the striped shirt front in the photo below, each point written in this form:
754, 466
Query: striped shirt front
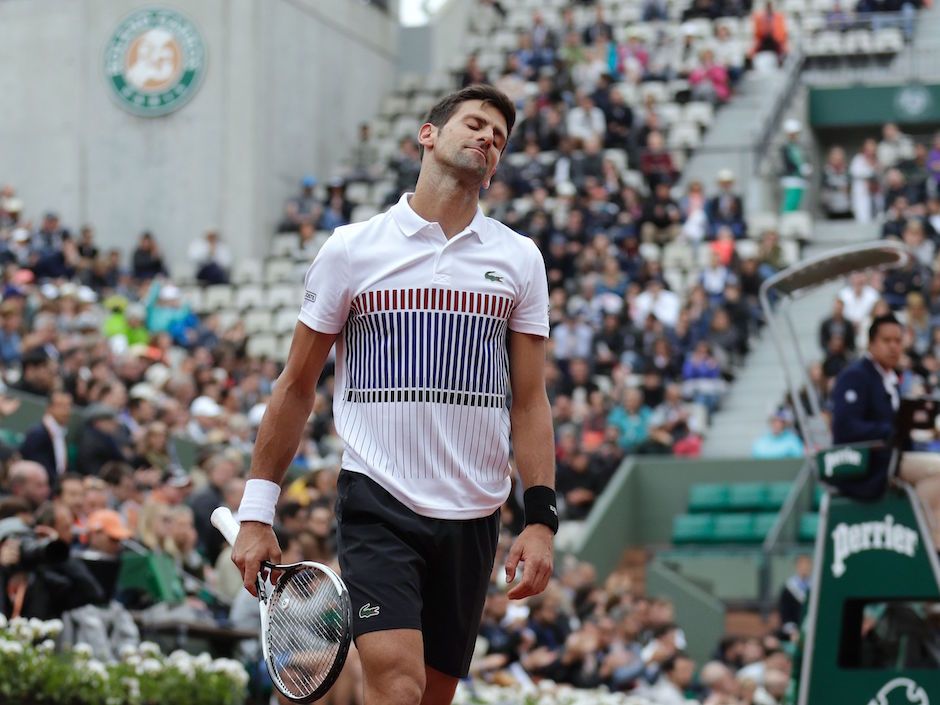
422, 370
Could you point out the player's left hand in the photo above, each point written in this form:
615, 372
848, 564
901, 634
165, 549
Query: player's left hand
534, 548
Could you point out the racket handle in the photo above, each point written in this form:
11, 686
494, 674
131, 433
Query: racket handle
223, 520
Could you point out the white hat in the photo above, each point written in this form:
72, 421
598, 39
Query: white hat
205, 406
87, 295
12, 205
725, 175
143, 391
169, 292
157, 374
791, 126
20, 235
49, 291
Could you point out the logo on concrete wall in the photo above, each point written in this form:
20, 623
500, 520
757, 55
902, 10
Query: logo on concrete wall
155, 61
912, 101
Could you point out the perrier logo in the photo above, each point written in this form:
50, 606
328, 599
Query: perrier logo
155, 61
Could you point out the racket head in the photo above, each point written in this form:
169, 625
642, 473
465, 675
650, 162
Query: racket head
306, 625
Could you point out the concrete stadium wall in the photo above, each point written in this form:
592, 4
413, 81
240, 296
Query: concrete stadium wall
286, 83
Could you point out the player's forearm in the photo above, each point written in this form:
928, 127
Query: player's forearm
280, 432
533, 442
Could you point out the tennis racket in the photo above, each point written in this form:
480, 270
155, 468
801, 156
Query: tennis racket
305, 621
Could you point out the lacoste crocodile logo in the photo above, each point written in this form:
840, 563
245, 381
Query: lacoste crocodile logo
493, 276
367, 610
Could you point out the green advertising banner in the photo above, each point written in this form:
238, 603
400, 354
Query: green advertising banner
858, 106
875, 592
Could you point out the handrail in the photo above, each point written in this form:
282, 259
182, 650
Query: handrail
793, 68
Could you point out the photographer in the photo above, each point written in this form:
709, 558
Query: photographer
37, 576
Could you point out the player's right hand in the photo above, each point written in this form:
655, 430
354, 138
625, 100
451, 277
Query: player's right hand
255, 544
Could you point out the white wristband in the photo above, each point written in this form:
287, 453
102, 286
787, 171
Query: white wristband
259, 501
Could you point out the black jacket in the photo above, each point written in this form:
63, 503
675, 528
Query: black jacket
37, 446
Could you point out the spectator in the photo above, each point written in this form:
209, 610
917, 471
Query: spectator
858, 298
793, 596
656, 301
796, 167
578, 485
709, 80
221, 469
701, 376
147, 260
631, 420
895, 147
28, 481
586, 121
302, 208
99, 442
656, 163
779, 441
661, 216
770, 32
836, 185
39, 373
837, 357
364, 163
11, 322
45, 442
838, 325
212, 259
933, 163
725, 209
676, 678
866, 189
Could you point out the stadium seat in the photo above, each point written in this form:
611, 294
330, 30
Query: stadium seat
218, 296
796, 226
247, 270
708, 498
858, 41
257, 321
279, 271
748, 496
263, 345
684, 135
777, 493
693, 528
746, 249
669, 113
284, 244
809, 525
888, 41
249, 296
734, 528
228, 317
761, 222
284, 295
284, 320
763, 523
700, 113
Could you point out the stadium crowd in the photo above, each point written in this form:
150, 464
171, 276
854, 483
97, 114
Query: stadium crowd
653, 306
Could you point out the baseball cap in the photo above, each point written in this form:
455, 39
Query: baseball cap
143, 391
110, 522
20, 235
205, 406
308, 181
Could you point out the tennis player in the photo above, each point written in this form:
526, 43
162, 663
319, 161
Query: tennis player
439, 315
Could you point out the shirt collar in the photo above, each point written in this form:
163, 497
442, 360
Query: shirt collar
411, 223
889, 376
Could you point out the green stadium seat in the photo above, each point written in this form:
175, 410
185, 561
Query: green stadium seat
818, 493
809, 525
763, 523
693, 528
777, 493
734, 528
748, 496
708, 498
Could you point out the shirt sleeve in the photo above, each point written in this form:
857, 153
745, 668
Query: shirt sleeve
327, 293
531, 312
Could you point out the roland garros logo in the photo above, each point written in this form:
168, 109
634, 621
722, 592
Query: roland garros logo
870, 536
154, 61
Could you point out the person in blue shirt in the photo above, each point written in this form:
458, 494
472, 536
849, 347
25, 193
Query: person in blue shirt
780, 440
631, 419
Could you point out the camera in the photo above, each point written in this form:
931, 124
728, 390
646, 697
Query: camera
35, 550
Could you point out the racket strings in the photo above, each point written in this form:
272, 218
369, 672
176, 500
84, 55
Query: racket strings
306, 630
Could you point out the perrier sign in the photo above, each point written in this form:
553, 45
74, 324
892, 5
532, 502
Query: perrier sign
155, 61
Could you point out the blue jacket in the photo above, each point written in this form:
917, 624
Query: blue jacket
862, 411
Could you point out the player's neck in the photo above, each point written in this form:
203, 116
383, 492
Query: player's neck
444, 200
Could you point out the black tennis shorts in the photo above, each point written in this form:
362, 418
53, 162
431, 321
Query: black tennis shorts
407, 571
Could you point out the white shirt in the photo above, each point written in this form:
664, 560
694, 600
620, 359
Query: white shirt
57, 434
665, 307
422, 371
857, 307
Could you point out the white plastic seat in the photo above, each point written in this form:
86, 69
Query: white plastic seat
284, 244
218, 296
284, 320
684, 135
284, 295
249, 296
699, 112
279, 271
257, 321
858, 41
796, 226
247, 271
761, 222
888, 41
263, 345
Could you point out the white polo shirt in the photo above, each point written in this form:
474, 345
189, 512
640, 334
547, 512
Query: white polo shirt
422, 370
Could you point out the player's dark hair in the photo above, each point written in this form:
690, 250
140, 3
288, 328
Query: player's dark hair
445, 108
885, 320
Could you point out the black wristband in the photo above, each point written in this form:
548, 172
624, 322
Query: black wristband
540, 507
